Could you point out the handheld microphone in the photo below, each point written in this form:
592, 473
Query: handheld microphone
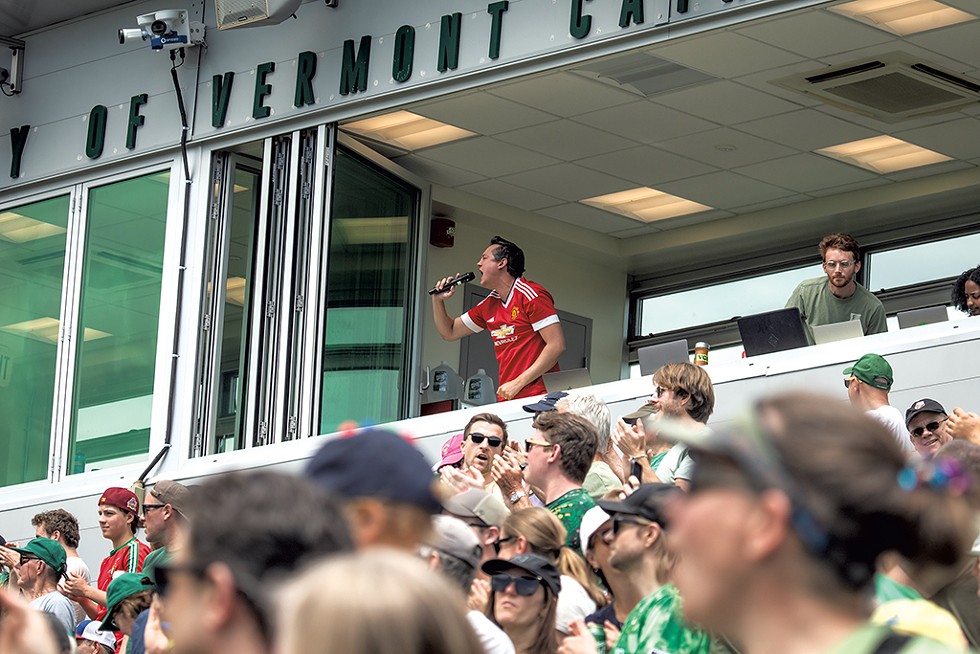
462, 279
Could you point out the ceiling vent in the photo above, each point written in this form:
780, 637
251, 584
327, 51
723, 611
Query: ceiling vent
891, 88
641, 73
253, 13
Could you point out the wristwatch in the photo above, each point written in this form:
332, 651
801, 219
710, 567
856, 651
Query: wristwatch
516, 496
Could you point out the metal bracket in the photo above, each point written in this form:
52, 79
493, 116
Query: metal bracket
15, 79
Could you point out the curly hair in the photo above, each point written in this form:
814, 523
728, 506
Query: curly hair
959, 288
58, 520
838, 241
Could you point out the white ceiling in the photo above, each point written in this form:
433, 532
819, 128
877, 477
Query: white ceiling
737, 142
22, 16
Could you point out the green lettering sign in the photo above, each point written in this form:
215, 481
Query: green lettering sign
95, 139
305, 70
135, 119
401, 65
220, 92
632, 9
448, 58
354, 69
262, 89
18, 139
496, 11
580, 24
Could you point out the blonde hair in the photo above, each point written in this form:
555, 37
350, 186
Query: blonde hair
376, 602
545, 535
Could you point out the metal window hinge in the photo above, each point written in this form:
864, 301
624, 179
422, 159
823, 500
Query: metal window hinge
277, 197
300, 303
206, 323
270, 308
263, 432
307, 190
291, 426
281, 160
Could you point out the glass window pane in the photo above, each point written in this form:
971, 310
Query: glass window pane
368, 285
116, 333
721, 302
924, 262
32, 263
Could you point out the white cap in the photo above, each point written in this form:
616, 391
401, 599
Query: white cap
89, 630
591, 521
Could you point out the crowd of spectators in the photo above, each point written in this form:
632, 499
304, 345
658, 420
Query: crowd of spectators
804, 525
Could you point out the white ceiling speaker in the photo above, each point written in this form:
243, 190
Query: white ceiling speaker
253, 13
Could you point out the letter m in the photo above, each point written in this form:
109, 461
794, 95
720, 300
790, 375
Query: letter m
354, 71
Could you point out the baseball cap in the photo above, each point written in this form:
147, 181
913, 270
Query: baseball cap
475, 503
591, 521
89, 630
48, 550
921, 406
452, 536
873, 370
546, 403
531, 563
125, 585
375, 463
648, 409
647, 501
452, 452
172, 493
122, 498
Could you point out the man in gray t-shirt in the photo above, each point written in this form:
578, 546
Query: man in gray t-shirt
42, 565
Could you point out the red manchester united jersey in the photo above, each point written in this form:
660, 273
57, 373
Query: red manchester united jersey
514, 325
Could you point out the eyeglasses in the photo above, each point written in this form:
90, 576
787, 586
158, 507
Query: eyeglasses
847, 382
148, 507
24, 558
530, 442
492, 441
500, 541
525, 586
834, 265
619, 520
931, 426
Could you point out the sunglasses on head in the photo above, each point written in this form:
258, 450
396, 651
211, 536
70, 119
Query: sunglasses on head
931, 426
492, 441
525, 586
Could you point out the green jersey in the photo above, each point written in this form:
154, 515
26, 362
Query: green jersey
887, 589
157, 557
656, 626
819, 306
569, 508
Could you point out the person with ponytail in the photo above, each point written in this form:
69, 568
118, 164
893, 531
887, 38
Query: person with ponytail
538, 531
789, 512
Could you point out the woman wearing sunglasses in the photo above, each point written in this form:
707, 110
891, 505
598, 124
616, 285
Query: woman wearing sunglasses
524, 600
790, 510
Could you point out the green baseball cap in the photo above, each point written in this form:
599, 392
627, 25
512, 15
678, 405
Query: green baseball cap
125, 585
48, 550
873, 370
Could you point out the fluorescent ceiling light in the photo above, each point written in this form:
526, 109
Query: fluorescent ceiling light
235, 291
19, 229
883, 154
903, 17
645, 204
47, 330
372, 231
407, 131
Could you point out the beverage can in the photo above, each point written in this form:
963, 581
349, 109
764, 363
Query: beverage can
599, 633
701, 354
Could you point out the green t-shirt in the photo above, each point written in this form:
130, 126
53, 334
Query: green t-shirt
887, 589
656, 626
819, 306
866, 639
600, 480
569, 508
159, 556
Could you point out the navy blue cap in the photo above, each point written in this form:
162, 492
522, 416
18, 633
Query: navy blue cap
546, 403
375, 463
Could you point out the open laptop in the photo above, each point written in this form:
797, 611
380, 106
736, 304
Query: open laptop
836, 331
566, 380
925, 316
772, 331
654, 357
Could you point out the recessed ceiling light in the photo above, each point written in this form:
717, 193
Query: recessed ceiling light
47, 330
645, 204
903, 17
406, 130
883, 154
17, 228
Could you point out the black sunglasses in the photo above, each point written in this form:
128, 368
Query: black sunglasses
525, 586
147, 507
24, 558
931, 426
492, 441
500, 541
619, 520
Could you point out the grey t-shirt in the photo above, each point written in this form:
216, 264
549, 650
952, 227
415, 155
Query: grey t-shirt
676, 464
60, 607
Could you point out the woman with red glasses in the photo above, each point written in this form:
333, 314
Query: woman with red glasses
524, 600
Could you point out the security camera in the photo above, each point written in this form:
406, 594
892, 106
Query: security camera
165, 30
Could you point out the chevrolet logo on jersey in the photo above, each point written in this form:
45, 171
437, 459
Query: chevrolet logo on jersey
503, 332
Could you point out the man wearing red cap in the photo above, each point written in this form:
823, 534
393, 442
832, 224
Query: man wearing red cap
118, 508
